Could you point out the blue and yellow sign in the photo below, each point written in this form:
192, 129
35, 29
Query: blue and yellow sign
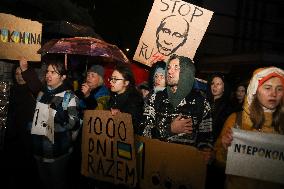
19, 38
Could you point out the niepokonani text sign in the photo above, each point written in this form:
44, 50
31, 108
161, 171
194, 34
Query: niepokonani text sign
256, 155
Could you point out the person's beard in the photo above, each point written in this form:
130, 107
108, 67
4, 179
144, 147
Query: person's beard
172, 83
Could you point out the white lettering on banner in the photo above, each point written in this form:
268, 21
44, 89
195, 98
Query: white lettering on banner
256, 155
43, 121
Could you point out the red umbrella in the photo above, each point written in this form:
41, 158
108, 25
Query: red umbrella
84, 46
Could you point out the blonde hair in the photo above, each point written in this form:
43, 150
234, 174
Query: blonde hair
256, 113
278, 118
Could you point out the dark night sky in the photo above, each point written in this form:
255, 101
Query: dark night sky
118, 22
122, 22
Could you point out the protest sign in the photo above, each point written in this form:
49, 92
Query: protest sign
173, 27
19, 38
169, 165
256, 155
108, 151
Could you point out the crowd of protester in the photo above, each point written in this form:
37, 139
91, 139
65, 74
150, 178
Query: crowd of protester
167, 107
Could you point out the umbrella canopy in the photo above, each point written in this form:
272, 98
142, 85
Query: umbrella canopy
67, 29
83, 46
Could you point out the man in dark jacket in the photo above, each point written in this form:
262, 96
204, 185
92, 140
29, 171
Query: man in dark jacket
179, 114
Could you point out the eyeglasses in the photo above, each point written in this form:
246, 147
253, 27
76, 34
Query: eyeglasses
113, 79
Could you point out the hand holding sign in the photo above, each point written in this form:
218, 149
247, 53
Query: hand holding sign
114, 111
227, 138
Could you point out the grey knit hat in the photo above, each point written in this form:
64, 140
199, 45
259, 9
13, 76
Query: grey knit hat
97, 69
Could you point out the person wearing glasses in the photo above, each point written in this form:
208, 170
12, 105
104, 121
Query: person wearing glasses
124, 95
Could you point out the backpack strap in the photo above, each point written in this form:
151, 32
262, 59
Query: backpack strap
66, 99
238, 123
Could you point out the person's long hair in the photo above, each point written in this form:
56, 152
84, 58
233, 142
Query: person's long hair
257, 116
278, 118
226, 94
127, 74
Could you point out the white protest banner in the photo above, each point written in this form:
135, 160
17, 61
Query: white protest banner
256, 155
108, 151
173, 27
19, 38
43, 121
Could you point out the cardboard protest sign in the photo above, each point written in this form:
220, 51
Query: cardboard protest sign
256, 155
108, 151
19, 38
173, 27
169, 165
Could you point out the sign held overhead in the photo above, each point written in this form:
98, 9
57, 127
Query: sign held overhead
173, 27
19, 38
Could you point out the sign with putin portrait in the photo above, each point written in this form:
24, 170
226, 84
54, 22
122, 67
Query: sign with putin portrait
173, 27
108, 152
19, 38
